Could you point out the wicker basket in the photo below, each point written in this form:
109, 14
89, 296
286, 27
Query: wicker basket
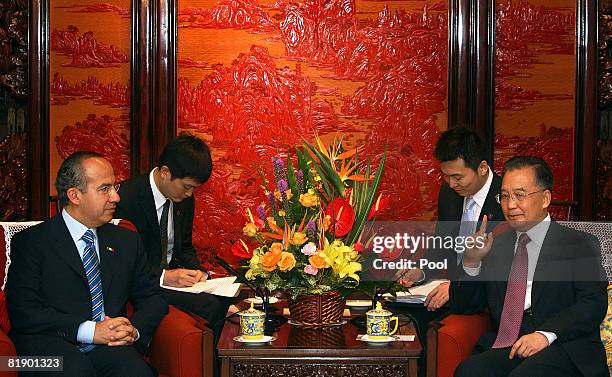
317, 310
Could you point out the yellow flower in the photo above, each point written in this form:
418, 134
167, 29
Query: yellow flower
326, 222
281, 213
271, 220
287, 261
298, 238
349, 269
310, 199
250, 230
279, 196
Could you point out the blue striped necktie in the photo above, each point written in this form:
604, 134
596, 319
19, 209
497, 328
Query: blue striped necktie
94, 279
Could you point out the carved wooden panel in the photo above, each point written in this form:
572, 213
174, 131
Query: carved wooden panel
13, 107
89, 82
535, 67
14, 46
254, 77
603, 175
320, 370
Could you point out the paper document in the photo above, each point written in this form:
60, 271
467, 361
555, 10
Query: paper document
416, 295
225, 287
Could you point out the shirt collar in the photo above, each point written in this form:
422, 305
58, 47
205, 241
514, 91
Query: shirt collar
481, 195
76, 229
538, 232
159, 198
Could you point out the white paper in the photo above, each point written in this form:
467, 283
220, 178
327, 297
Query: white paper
225, 287
416, 295
400, 338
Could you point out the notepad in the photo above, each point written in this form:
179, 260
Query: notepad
416, 295
226, 287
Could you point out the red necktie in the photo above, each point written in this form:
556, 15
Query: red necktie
514, 302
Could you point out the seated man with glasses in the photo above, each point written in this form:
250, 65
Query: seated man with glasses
543, 284
70, 279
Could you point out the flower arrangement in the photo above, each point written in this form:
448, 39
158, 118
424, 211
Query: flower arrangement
308, 233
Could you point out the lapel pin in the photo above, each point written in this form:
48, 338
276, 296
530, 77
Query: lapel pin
110, 249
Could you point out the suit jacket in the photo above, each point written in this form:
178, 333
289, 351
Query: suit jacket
450, 210
47, 291
138, 206
568, 295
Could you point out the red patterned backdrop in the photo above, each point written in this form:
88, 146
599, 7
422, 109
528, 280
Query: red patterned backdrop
90, 81
257, 76
534, 87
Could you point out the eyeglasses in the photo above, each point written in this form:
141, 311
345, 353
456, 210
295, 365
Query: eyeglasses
517, 197
108, 189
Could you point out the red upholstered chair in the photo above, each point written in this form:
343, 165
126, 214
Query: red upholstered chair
182, 345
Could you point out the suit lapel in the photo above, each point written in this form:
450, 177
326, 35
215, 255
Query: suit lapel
177, 220
107, 258
546, 254
65, 248
147, 205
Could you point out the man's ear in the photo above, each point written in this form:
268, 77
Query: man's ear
74, 195
547, 198
165, 173
483, 168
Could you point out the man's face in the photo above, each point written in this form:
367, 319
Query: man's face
523, 202
177, 189
96, 205
461, 178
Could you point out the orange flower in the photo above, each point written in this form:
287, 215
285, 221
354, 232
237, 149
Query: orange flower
298, 238
317, 260
269, 261
276, 248
287, 261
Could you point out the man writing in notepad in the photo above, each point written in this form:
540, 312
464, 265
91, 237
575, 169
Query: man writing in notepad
161, 206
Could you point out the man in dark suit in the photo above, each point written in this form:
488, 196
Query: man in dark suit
543, 284
72, 276
161, 206
466, 196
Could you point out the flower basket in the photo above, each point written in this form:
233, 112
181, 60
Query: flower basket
317, 336
317, 309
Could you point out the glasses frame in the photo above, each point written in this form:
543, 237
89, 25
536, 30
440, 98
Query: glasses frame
512, 196
106, 190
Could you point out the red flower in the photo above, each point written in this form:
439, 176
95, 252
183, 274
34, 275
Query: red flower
342, 216
380, 204
358, 246
241, 250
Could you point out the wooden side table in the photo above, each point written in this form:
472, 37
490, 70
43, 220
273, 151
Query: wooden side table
329, 351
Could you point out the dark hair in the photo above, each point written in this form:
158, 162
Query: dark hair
71, 174
461, 143
544, 176
187, 156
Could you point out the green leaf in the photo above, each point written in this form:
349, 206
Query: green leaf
369, 200
330, 171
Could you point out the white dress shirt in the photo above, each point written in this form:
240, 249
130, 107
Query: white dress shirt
160, 200
480, 197
85, 333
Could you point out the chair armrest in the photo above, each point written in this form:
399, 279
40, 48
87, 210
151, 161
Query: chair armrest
182, 346
456, 339
7, 348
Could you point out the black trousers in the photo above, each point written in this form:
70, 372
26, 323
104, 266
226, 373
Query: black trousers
103, 361
210, 307
552, 361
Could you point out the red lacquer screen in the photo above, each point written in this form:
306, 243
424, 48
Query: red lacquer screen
256, 76
89, 81
535, 87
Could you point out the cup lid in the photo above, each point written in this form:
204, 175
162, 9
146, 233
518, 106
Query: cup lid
379, 310
252, 312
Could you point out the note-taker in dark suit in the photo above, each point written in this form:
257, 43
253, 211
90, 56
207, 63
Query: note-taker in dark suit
450, 210
48, 296
138, 206
563, 300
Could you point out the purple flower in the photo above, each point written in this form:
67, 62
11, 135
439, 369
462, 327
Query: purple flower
311, 229
279, 169
300, 180
282, 185
261, 211
271, 200
311, 270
